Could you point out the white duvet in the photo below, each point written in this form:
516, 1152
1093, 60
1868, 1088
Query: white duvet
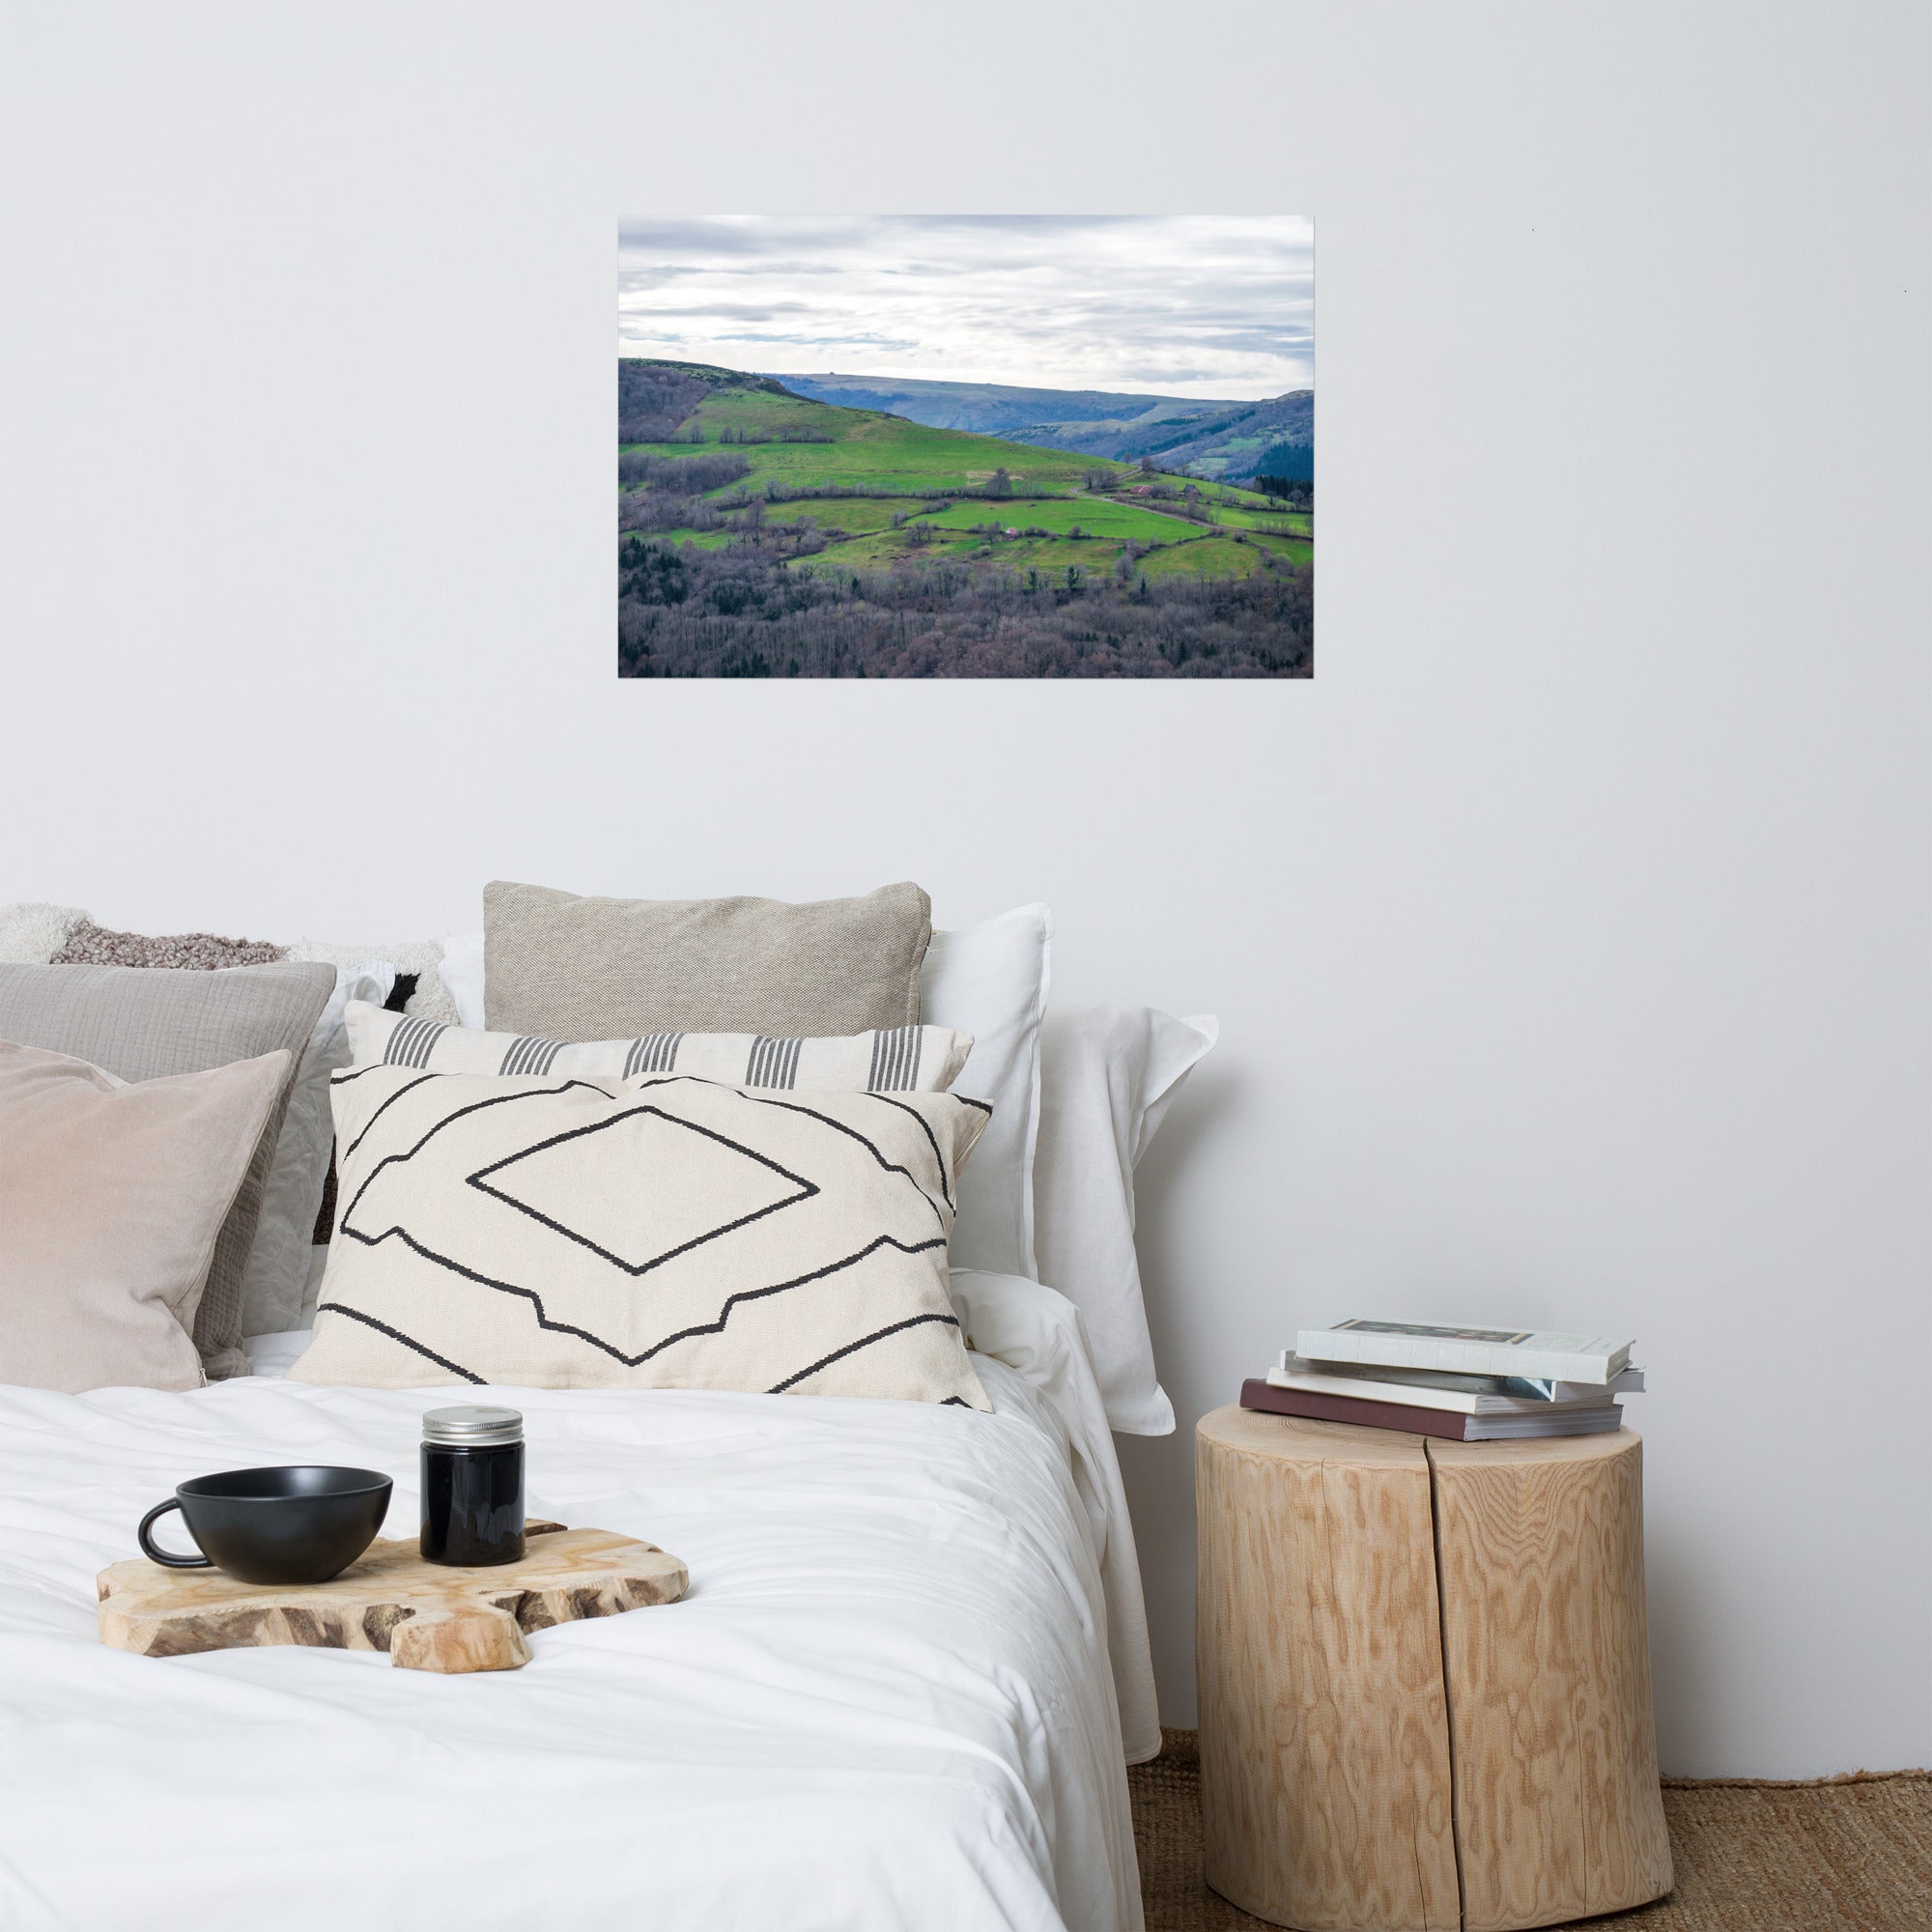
888, 1701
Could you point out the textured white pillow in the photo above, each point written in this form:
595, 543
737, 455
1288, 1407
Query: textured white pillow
31, 933
656, 1232
990, 980
421, 956
1109, 1075
898, 1060
277, 1265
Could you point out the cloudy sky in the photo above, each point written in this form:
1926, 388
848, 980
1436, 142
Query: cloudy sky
1188, 305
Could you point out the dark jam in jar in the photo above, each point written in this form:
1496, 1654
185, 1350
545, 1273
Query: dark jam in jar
473, 1486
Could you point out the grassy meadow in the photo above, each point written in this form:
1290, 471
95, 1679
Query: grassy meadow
744, 505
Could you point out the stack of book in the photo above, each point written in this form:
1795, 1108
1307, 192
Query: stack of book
1468, 1385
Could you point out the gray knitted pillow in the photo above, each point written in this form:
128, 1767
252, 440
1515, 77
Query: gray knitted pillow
91, 945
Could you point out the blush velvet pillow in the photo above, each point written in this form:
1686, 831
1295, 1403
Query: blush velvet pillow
112, 1194
267, 1294
656, 1232
140, 1025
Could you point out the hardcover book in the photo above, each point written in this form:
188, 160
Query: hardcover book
1590, 1419
1467, 1350
1460, 1395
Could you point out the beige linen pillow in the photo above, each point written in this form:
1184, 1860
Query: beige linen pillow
570, 968
141, 1025
655, 1233
112, 1195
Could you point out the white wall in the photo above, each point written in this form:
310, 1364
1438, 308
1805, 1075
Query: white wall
1569, 931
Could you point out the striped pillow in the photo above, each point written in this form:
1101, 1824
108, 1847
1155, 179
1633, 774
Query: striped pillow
895, 1060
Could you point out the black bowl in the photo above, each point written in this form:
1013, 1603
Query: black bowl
301, 1524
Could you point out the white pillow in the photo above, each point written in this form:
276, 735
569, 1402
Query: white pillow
991, 980
277, 1265
462, 975
1109, 1075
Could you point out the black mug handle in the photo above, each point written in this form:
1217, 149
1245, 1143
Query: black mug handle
153, 1552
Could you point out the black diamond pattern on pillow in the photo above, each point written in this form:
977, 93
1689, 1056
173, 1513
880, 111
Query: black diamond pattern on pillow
647, 1152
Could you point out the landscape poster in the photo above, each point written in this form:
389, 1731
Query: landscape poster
966, 447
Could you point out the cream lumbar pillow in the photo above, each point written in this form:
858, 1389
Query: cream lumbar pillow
661, 1232
892, 1060
112, 1194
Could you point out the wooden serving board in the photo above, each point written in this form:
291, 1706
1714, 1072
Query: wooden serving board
426, 1615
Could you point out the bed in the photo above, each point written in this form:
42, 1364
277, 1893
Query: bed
912, 1664
900, 1693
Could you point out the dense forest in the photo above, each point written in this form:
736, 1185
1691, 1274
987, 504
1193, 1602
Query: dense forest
687, 613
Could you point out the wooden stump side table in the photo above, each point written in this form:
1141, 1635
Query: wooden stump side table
1425, 1677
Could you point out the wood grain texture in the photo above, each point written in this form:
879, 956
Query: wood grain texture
1547, 1653
1326, 1799
426, 1615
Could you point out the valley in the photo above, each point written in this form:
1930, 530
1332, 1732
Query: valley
767, 533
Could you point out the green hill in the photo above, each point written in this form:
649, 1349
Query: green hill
794, 449
729, 485
797, 441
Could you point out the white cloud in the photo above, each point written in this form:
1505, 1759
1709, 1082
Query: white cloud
1201, 306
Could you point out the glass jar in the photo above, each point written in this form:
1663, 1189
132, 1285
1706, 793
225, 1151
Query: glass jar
473, 1486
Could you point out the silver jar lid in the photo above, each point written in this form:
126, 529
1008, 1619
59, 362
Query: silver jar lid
472, 1428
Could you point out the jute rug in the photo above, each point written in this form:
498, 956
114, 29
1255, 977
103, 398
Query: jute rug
1849, 1855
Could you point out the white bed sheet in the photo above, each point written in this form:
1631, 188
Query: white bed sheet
887, 1701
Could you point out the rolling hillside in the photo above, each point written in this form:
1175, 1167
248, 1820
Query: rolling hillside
1231, 443
1217, 439
736, 496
